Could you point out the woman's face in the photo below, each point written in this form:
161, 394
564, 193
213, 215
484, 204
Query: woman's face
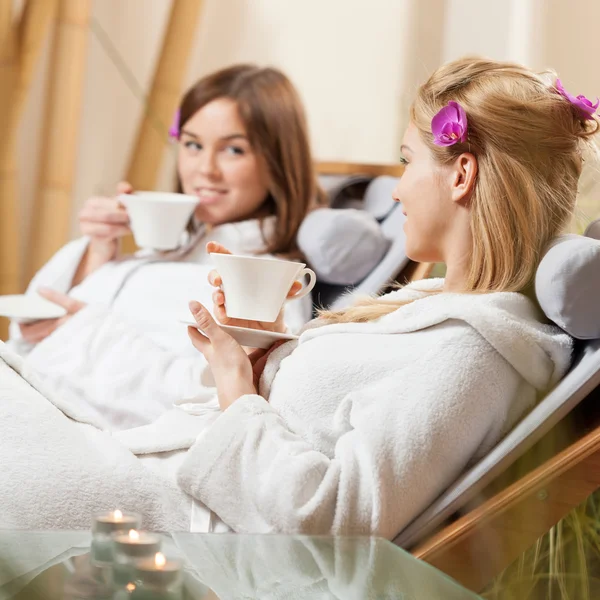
426, 193
217, 165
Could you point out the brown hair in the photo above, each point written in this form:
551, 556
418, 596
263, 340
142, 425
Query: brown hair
274, 117
529, 142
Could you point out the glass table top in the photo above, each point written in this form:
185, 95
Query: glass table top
58, 564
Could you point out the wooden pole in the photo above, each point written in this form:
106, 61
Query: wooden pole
165, 93
25, 43
9, 244
6, 17
9, 259
52, 207
38, 17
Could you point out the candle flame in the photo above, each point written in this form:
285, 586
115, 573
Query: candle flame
134, 535
130, 587
159, 560
118, 515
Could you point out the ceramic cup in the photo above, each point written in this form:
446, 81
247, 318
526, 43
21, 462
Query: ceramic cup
256, 287
158, 219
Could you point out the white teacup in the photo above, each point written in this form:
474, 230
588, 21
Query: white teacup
158, 219
256, 287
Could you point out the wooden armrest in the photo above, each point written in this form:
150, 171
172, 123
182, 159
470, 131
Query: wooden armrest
477, 547
344, 168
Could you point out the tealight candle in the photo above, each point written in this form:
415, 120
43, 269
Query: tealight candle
115, 521
136, 543
130, 546
104, 525
158, 577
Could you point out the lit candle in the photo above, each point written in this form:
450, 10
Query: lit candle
104, 526
136, 544
114, 521
153, 578
159, 576
130, 546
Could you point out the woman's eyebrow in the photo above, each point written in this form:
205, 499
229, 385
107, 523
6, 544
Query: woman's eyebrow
232, 136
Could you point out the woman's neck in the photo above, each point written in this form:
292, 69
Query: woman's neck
458, 263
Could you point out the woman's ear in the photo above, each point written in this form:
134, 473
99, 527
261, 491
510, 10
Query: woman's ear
465, 175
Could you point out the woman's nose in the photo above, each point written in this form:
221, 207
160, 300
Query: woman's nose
396, 193
208, 164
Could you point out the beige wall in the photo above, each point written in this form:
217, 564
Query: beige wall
355, 62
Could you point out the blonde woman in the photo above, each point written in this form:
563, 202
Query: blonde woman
359, 425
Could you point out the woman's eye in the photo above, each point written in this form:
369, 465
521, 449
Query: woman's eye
195, 146
236, 150
403, 161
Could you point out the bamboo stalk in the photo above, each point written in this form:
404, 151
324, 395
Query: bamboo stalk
165, 92
34, 27
27, 41
8, 232
6, 17
23, 44
52, 207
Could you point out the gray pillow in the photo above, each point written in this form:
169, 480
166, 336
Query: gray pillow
567, 285
342, 245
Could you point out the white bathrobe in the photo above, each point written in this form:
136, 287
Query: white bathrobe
125, 358
362, 426
358, 428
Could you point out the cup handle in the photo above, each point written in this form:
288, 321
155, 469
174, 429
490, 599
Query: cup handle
311, 284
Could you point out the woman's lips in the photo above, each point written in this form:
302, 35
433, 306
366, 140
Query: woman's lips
209, 195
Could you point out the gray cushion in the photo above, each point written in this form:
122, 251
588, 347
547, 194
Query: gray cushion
378, 196
342, 245
567, 285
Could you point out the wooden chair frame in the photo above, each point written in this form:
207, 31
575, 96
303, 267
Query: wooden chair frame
551, 479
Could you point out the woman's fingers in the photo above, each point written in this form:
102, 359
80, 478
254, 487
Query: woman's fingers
103, 204
296, 287
218, 298
205, 322
216, 248
38, 331
221, 314
104, 219
69, 304
124, 187
199, 341
104, 231
215, 279
105, 216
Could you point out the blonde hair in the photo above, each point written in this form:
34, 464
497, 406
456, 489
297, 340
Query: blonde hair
529, 143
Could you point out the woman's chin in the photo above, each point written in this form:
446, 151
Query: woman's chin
419, 254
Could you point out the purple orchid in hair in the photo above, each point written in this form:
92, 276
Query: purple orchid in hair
449, 125
174, 129
584, 105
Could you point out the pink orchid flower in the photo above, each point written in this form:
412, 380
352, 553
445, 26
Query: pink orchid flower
449, 125
174, 129
584, 105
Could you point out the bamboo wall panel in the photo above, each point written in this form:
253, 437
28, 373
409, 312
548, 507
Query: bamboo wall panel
52, 207
165, 93
9, 260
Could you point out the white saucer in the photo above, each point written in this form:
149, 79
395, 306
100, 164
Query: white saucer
253, 338
29, 307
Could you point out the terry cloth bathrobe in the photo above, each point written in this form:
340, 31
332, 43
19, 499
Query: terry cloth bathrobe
126, 358
359, 427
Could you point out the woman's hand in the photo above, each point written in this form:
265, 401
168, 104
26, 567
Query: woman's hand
40, 330
105, 221
228, 361
219, 299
